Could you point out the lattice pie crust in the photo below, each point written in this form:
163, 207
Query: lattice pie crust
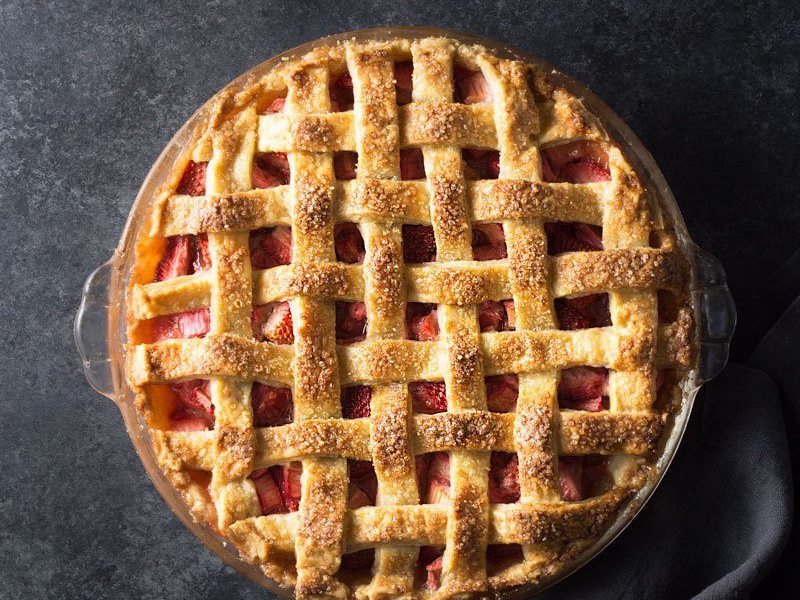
213, 466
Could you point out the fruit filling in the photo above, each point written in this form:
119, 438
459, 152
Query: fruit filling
502, 392
403, 76
341, 91
668, 307
583, 388
278, 488
481, 164
345, 164
276, 106
193, 409
488, 241
502, 556
273, 323
188, 324
270, 247
363, 488
433, 482
575, 162
356, 401
572, 237
503, 478
583, 312
412, 164
348, 243
184, 255
419, 244
358, 561
496, 316
351, 322
428, 397
270, 169
430, 562
433, 477
471, 86
272, 406
583, 477
422, 324
193, 180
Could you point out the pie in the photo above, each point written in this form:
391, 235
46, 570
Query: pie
405, 322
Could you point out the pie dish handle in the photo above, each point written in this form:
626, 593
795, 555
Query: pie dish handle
92, 327
716, 312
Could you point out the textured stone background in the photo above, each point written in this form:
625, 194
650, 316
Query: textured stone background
90, 93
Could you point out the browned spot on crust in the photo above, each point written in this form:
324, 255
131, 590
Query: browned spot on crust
384, 262
389, 198
462, 431
327, 280
235, 448
588, 433
313, 205
390, 439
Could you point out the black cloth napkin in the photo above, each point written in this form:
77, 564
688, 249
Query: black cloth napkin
721, 523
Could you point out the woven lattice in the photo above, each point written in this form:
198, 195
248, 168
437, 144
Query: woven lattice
304, 548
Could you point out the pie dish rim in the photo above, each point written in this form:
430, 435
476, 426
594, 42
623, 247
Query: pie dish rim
111, 279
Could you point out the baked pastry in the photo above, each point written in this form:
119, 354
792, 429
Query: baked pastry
404, 322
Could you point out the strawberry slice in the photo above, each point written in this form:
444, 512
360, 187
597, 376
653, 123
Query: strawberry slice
188, 324
504, 478
419, 244
202, 256
434, 571
575, 162
428, 398
356, 401
502, 556
572, 237
412, 164
422, 463
481, 164
583, 388
494, 316
177, 259
276, 106
273, 323
341, 91
351, 322
363, 487
193, 410
430, 560
438, 489
193, 180
272, 406
270, 169
570, 476
511, 314
344, 165
422, 323
348, 243
597, 477
488, 241
269, 495
403, 76
502, 392
271, 247
583, 312
471, 87
358, 561
288, 479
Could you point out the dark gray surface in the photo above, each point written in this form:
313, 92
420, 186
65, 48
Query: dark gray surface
90, 93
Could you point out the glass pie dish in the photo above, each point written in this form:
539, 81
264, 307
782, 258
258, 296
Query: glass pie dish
101, 324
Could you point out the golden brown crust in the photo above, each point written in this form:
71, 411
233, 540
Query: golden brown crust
304, 549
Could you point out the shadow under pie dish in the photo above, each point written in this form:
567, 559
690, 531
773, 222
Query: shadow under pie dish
404, 318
